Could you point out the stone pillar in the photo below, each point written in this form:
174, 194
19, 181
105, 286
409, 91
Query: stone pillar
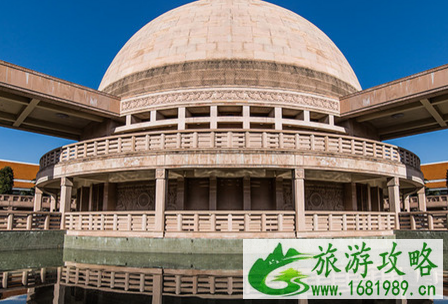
369, 198
247, 196
393, 186
109, 196
421, 199
180, 197
157, 292
278, 119
299, 198
161, 182
66, 198
213, 191
53, 202
246, 117
213, 117
37, 199
181, 118
350, 201
91, 198
66, 194
406, 203
279, 193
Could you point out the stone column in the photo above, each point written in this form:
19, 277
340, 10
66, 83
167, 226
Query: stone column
421, 199
279, 201
350, 200
246, 193
406, 203
161, 182
393, 186
53, 202
369, 198
299, 198
180, 197
37, 199
66, 198
278, 119
213, 191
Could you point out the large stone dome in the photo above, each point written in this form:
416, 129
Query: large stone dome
239, 43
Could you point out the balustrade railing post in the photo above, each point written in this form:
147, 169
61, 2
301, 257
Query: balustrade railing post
229, 222
29, 221
247, 222
213, 222
369, 222
344, 222
90, 225
144, 221
5, 280
357, 222
179, 222
330, 222
115, 222
263, 222
129, 220
10, 223
47, 222
315, 222
195, 143
247, 139
430, 222
196, 222
280, 222
102, 222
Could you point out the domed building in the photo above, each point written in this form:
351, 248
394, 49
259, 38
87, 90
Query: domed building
230, 119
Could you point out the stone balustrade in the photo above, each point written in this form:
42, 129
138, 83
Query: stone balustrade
434, 220
23, 220
154, 281
27, 278
10, 201
234, 222
349, 221
135, 221
230, 139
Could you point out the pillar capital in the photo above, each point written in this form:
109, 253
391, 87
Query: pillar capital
394, 181
160, 173
299, 173
65, 181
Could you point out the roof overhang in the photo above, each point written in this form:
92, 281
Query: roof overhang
408, 106
39, 103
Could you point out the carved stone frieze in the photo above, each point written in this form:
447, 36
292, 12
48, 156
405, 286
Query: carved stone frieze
324, 196
229, 95
136, 196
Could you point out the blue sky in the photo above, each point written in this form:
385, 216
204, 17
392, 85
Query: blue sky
77, 40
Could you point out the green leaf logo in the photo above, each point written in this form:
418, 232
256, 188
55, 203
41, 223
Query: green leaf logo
293, 278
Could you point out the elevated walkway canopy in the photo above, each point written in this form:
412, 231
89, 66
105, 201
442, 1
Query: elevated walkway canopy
411, 105
36, 102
